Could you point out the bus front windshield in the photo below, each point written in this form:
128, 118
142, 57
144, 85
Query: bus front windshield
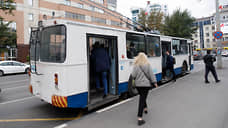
53, 44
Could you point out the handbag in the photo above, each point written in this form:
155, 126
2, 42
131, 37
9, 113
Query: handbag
151, 83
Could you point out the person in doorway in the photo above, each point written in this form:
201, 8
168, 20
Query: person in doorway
102, 64
209, 60
170, 64
144, 76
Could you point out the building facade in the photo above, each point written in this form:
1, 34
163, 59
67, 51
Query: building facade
135, 11
29, 12
203, 38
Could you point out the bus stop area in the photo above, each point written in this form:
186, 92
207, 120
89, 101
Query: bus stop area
186, 103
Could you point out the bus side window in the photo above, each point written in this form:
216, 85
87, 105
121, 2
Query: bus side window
135, 44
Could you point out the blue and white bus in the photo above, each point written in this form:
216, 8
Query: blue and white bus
61, 71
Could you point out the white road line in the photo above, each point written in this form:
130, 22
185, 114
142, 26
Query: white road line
61, 126
4, 89
18, 100
107, 108
13, 82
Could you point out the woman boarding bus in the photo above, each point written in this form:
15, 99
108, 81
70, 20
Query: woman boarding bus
64, 75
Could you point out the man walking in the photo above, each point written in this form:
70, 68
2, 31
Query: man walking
209, 60
170, 65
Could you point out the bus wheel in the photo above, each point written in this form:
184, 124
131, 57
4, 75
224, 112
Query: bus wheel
184, 68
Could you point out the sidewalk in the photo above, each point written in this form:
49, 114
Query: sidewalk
187, 103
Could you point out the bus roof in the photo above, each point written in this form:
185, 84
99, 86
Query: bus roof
52, 22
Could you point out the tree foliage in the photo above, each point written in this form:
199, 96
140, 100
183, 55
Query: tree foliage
7, 36
151, 21
7, 6
179, 24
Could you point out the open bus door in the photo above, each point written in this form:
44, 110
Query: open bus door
96, 95
166, 46
34, 49
190, 55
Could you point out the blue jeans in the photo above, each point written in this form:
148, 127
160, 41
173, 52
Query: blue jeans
104, 81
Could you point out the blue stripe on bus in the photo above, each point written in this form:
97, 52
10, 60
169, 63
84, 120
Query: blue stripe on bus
77, 101
178, 70
192, 67
123, 87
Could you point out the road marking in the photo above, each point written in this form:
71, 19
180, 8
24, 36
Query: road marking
39, 119
2, 83
14, 88
61, 126
18, 100
112, 106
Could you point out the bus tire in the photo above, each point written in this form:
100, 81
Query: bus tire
184, 68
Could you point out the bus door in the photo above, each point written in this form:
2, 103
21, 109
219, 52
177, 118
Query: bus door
166, 46
109, 43
190, 54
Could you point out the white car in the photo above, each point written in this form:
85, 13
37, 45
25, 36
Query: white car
9, 67
225, 53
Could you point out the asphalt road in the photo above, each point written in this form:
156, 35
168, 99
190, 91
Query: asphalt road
19, 109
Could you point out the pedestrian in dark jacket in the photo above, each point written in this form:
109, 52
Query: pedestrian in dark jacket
209, 60
144, 76
102, 64
170, 64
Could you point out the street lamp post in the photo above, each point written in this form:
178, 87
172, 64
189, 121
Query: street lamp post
219, 41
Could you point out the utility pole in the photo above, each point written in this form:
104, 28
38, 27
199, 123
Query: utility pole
219, 41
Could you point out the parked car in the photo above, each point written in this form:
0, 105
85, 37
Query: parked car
10, 67
197, 55
225, 53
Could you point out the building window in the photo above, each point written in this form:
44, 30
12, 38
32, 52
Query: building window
208, 40
196, 35
213, 40
207, 28
196, 41
207, 34
213, 27
74, 16
116, 23
67, 2
30, 2
98, 20
30, 16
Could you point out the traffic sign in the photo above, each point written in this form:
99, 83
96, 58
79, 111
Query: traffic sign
218, 34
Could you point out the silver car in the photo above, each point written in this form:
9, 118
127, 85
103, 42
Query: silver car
10, 67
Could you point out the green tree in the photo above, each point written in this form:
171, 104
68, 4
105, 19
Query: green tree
7, 36
179, 24
7, 6
152, 20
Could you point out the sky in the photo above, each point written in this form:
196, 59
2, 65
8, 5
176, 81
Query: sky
197, 8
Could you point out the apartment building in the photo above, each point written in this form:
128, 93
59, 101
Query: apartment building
29, 12
203, 38
135, 11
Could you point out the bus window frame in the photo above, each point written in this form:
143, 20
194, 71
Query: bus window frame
147, 45
144, 43
65, 40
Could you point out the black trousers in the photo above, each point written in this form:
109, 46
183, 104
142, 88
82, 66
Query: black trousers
213, 71
171, 69
143, 92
